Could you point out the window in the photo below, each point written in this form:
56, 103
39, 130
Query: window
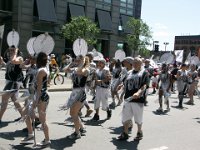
6, 5
104, 4
81, 2
127, 7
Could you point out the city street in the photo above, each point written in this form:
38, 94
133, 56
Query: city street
176, 130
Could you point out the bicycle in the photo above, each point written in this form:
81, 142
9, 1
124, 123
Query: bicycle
57, 77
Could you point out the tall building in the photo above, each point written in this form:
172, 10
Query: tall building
33, 17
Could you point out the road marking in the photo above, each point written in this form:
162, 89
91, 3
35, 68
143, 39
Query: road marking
160, 148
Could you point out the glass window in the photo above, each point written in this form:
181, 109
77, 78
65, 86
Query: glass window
130, 1
6, 5
123, 1
107, 1
127, 7
130, 12
104, 4
123, 11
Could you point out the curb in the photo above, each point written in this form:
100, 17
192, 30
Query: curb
60, 90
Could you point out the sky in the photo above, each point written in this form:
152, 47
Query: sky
170, 18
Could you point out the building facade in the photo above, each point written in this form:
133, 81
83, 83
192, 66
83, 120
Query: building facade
190, 44
33, 17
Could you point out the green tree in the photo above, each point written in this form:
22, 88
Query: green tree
139, 38
81, 27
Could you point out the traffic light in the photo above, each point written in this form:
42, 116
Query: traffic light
156, 47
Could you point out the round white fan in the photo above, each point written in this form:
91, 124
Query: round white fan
29, 46
167, 58
194, 60
80, 47
120, 54
43, 43
13, 38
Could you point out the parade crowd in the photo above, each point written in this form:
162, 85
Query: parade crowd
127, 82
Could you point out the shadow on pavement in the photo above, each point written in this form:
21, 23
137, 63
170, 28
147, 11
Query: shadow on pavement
94, 123
198, 119
4, 124
23, 146
115, 130
160, 112
11, 135
132, 145
62, 143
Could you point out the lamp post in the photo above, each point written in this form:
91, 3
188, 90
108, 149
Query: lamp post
166, 43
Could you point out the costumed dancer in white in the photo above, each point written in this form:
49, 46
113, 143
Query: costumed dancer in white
182, 81
103, 78
78, 95
192, 81
14, 78
164, 88
115, 72
135, 88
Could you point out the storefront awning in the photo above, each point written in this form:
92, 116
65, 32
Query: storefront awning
104, 20
124, 20
76, 10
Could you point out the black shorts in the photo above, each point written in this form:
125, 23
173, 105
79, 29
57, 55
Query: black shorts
44, 97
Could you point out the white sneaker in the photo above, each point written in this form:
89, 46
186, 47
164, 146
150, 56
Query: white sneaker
28, 138
44, 143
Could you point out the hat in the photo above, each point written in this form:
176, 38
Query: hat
137, 59
128, 59
147, 60
102, 60
52, 55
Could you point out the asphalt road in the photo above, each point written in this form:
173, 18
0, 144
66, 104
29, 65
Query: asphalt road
177, 130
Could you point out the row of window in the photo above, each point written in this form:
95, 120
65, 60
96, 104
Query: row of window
187, 42
126, 6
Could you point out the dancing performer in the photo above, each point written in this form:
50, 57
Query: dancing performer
135, 88
115, 71
78, 95
103, 78
192, 81
182, 81
150, 71
14, 78
42, 98
28, 114
164, 88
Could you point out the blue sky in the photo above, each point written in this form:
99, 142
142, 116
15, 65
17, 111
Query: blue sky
170, 18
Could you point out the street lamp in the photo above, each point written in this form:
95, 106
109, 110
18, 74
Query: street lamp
166, 43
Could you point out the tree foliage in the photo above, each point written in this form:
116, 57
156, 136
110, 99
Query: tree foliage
80, 27
140, 36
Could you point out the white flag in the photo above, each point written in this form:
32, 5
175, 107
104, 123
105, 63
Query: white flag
179, 55
1, 31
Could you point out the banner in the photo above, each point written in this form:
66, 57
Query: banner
179, 55
1, 31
